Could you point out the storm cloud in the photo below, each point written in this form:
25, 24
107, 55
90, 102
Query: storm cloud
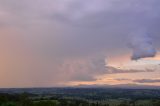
66, 40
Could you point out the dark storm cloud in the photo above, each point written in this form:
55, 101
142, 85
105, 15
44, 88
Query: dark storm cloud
67, 34
112, 20
85, 27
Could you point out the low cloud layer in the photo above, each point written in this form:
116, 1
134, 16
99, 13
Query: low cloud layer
113, 70
147, 81
151, 81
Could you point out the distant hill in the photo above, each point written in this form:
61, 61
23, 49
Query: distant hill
124, 86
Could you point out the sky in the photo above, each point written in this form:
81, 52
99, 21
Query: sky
56, 43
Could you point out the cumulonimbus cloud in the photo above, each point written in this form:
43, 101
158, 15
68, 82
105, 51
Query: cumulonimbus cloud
141, 41
57, 31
